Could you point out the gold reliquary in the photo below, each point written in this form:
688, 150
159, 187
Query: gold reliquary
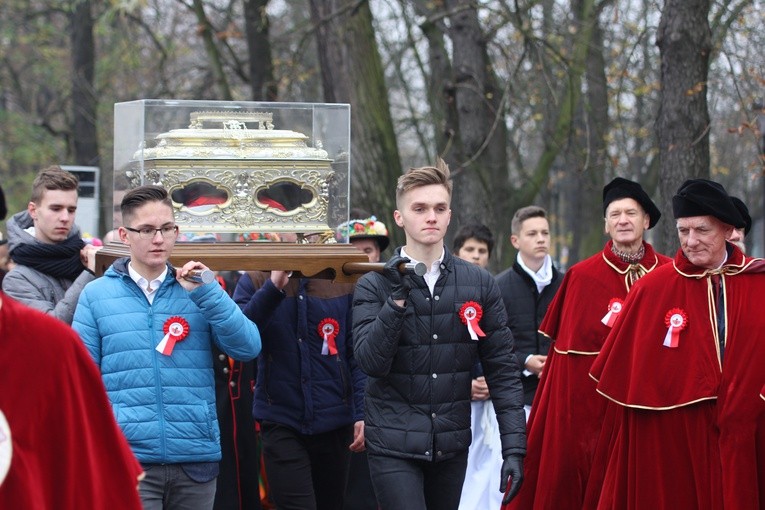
239, 167
251, 181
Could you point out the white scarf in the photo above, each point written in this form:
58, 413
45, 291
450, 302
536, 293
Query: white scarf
543, 277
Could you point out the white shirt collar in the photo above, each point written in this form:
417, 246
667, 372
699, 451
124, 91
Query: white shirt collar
543, 277
149, 288
434, 271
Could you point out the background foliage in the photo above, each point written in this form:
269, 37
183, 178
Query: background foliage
532, 101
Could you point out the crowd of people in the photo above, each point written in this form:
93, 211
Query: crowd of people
631, 381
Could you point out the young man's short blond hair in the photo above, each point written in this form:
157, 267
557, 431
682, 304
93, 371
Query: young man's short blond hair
424, 176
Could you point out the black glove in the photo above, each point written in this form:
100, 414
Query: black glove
512, 467
400, 283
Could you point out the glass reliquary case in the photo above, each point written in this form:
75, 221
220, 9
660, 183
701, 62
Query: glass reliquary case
242, 172
239, 167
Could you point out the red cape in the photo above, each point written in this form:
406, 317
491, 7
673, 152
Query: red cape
567, 413
573, 319
67, 449
692, 432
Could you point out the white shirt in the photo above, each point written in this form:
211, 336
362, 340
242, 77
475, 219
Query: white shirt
149, 288
434, 271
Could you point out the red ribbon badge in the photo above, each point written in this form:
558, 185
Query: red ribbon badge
676, 320
328, 330
175, 329
614, 308
470, 313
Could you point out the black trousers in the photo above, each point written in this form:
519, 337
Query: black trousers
406, 484
306, 472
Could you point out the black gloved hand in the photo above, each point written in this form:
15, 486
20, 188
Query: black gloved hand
399, 282
512, 467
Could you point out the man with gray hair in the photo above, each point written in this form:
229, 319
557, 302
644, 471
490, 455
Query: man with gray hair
683, 364
567, 414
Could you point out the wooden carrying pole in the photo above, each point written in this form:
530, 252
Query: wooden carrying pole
338, 262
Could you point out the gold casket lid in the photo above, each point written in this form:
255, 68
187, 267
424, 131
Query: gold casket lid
232, 140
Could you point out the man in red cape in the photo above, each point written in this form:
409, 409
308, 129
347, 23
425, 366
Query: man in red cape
567, 413
684, 363
60, 446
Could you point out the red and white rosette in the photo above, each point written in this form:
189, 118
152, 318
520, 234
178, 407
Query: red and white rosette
762, 393
175, 329
470, 313
676, 321
328, 330
614, 309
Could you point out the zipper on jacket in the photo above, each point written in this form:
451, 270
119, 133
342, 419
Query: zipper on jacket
269, 360
344, 380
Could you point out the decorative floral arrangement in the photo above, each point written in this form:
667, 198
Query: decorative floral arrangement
368, 227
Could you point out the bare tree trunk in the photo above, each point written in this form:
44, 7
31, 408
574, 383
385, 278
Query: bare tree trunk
571, 119
262, 81
216, 61
441, 89
480, 180
682, 126
352, 72
595, 159
84, 100
85, 103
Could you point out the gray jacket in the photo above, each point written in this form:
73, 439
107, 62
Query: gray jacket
55, 296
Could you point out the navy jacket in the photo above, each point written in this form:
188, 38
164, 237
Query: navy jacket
297, 386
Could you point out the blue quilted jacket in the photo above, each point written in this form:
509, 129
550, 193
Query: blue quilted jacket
165, 405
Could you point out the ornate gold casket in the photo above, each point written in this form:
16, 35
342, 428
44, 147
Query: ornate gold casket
230, 170
235, 168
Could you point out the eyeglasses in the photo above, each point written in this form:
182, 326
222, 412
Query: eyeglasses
150, 232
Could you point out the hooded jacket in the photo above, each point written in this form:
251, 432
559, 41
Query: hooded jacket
297, 385
165, 404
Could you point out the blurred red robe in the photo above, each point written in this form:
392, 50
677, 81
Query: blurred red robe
692, 431
567, 413
66, 449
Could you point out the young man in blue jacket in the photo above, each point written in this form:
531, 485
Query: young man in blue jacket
151, 333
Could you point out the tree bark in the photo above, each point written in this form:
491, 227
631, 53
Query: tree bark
682, 125
206, 31
84, 99
262, 81
480, 179
352, 72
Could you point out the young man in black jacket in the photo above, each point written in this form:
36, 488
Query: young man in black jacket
417, 337
527, 288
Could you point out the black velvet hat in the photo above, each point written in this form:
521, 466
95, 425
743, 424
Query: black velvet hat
624, 188
743, 210
702, 197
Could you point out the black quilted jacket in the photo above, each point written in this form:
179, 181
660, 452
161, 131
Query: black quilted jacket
419, 361
526, 308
